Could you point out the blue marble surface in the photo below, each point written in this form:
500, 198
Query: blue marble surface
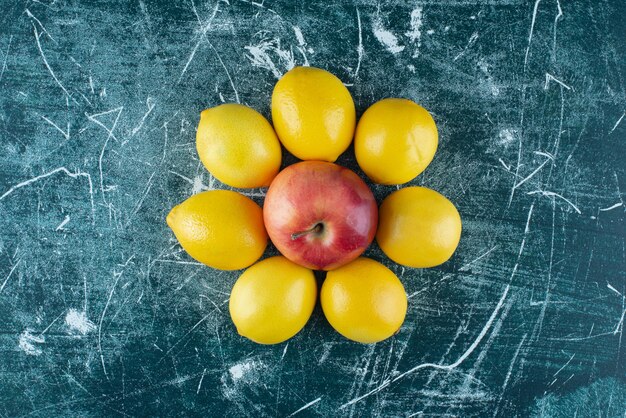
103, 314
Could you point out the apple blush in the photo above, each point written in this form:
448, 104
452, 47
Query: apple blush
320, 215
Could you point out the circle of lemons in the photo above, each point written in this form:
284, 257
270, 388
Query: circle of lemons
315, 119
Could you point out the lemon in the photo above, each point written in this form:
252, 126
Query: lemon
418, 227
272, 300
313, 114
395, 140
220, 228
238, 146
364, 301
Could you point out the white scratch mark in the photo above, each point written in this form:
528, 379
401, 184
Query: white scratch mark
530, 175
359, 49
415, 33
45, 61
386, 38
466, 266
284, 351
117, 275
448, 367
106, 142
66, 134
617, 123
614, 289
313, 402
204, 318
545, 154
78, 321
50, 325
232, 85
29, 14
506, 167
556, 19
532, 28
510, 371
615, 206
193, 263
9, 275
553, 194
201, 379
620, 323
6, 55
63, 223
27, 343
203, 32
150, 105
550, 77
50, 173
565, 365
143, 196
470, 42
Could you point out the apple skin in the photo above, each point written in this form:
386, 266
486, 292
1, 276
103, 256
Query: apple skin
320, 215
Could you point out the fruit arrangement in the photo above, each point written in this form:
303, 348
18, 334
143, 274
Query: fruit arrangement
319, 215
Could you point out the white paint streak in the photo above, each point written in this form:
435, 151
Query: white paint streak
298, 32
78, 321
359, 49
27, 343
386, 38
415, 34
238, 371
262, 55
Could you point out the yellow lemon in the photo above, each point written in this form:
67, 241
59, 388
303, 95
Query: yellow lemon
238, 146
418, 227
364, 301
395, 140
220, 228
313, 114
272, 300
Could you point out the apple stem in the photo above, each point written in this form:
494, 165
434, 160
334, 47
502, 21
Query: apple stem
315, 229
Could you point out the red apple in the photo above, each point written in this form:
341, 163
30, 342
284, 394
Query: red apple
320, 215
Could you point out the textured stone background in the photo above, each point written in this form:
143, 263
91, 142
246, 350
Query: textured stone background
102, 314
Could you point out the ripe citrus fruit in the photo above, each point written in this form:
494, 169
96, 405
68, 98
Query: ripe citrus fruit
238, 146
220, 228
418, 227
395, 140
313, 114
364, 301
272, 300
